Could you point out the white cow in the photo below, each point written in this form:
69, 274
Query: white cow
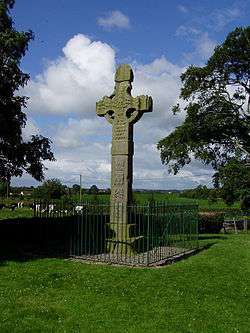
79, 209
51, 208
37, 207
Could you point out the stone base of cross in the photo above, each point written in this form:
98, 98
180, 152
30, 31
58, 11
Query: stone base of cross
125, 241
122, 111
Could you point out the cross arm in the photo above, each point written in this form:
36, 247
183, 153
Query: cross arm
140, 105
104, 108
144, 103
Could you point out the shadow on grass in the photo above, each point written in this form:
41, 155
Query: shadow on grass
204, 247
208, 240
26, 251
25, 239
205, 236
184, 255
30, 239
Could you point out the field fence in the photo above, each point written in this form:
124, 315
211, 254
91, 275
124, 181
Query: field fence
237, 220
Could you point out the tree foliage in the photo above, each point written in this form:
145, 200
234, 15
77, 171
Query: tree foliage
16, 155
93, 190
51, 189
3, 188
76, 188
200, 192
234, 180
216, 129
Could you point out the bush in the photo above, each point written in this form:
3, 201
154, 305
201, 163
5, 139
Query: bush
245, 204
210, 222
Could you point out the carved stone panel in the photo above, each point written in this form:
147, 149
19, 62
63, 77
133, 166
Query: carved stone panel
119, 178
118, 194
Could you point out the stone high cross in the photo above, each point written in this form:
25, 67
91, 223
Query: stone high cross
122, 111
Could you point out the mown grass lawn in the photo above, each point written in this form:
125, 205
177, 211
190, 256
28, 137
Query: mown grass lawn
208, 292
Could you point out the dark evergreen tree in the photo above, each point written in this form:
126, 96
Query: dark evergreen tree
16, 155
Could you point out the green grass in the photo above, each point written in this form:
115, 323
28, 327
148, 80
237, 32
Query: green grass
175, 198
7, 213
208, 292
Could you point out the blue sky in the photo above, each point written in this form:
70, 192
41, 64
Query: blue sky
79, 43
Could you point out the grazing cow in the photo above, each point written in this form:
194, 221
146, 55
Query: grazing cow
2, 206
79, 209
51, 208
13, 206
20, 204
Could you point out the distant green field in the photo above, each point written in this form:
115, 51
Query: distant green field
174, 198
177, 199
139, 198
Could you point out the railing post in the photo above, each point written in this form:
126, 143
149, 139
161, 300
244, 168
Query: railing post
148, 231
197, 226
245, 222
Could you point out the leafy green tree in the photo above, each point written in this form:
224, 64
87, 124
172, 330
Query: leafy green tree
245, 203
50, 189
3, 189
201, 192
94, 190
212, 198
16, 155
234, 179
76, 188
216, 98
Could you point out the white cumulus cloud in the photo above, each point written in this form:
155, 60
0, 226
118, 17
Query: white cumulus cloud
67, 91
73, 81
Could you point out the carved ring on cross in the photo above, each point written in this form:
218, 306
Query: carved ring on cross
121, 100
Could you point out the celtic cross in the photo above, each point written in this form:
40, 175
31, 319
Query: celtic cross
122, 111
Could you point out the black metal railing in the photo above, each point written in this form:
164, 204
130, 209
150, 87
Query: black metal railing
133, 235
